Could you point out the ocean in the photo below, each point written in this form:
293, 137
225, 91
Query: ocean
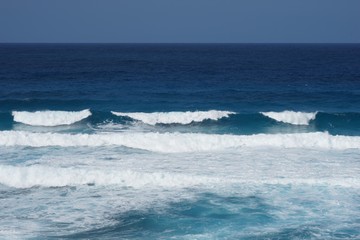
179, 141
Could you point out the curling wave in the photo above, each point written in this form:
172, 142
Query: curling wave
295, 118
50, 118
180, 142
175, 117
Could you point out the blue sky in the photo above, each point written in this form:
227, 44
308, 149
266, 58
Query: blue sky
180, 21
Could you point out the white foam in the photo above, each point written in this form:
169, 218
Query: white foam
30, 176
295, 118
180, 142
50, 118
175, 117
45, 176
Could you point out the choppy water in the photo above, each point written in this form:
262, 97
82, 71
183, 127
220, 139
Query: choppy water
179, 141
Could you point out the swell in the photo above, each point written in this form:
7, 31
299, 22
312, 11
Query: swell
346, 123
35, 104
180, 142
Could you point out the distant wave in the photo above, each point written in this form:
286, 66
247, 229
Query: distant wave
175, 117
50, 118
295, 118
180, 142
46, 176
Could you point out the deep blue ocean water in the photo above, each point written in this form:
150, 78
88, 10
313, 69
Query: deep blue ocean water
180, 141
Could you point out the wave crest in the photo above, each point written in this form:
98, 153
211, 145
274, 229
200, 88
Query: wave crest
50, 118
180, 142
295, 118
175, 117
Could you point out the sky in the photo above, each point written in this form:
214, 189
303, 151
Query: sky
180, 21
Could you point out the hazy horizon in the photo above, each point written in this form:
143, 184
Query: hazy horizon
166, 21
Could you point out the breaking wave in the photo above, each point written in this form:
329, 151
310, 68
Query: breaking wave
50, 118
180, 142
175, 117
295, 118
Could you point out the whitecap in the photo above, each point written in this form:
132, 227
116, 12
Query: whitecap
295, 118
50, 118
175, 117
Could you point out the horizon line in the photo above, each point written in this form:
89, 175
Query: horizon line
180, 43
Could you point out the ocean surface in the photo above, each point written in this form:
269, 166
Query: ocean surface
180, 141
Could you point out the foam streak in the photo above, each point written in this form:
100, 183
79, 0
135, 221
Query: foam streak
180, 142
30, 176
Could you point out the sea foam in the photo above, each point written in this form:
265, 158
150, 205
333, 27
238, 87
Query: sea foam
180, 142
295, 118
175, 117
46, 176
50, 118
29, 176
